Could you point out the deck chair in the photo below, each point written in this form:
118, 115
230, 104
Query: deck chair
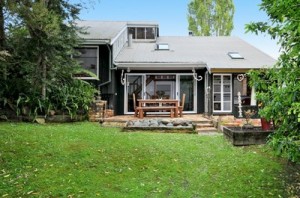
134, 105
181, 106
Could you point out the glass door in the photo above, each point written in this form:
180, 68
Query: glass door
156, 86
222, 93
135, 84
160, 86
187, 86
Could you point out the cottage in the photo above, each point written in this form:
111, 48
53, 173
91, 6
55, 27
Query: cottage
131, 57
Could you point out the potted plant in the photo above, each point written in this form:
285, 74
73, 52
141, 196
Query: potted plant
266, 124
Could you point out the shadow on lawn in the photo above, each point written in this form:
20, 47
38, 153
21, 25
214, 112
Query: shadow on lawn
291, 176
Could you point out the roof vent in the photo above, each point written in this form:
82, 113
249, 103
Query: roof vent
162, 46
129, 40
235, 55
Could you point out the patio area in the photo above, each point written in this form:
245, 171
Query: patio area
203, 124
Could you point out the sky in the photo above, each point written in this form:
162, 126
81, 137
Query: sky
172, 17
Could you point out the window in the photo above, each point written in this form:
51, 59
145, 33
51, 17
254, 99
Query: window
131, 30
235, 55
150, 33
142, 33
88, 59
222, 93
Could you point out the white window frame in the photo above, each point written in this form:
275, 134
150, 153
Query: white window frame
222, 94
97, 64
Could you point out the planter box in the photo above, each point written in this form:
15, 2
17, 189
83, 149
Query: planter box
243, 137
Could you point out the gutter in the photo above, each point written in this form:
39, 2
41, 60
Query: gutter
156, 65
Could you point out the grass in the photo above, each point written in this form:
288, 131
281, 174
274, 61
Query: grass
86, 160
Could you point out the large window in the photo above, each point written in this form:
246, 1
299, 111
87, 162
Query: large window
142, 33
88, 59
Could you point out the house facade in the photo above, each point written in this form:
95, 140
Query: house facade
131, 57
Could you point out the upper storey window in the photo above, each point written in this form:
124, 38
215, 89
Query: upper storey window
88, 58
142, 33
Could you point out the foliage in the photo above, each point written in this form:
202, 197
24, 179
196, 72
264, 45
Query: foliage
211, 17
40, 37
72, 98
85, 160
279, 88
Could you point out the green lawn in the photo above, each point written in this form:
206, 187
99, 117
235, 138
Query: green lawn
86, 160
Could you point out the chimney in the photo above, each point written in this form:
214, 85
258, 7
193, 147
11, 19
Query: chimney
129, 40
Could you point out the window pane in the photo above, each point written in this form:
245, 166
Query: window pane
150, 33
217, 97
217, 79
227, 106
226, 88
226, 97
187, 88
140, 33
227, 79
88, 60
131, 30
217, 88
217, 106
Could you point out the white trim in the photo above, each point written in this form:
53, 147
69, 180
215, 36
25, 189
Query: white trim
118, 35
222, 94
195, 85
206, 92
160, 66
97, 65
126, 90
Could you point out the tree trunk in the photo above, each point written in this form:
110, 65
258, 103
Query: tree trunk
42, 68
2, 33
44, 80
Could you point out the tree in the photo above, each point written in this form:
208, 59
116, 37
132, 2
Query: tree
279, 87
210, 17
40, 37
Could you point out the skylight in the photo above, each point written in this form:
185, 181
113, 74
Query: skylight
235, 55
162, 46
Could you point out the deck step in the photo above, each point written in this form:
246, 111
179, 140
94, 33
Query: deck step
206, 130
204, 125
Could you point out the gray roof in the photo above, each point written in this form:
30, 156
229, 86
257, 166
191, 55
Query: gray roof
101, 30
108, 31
211, 52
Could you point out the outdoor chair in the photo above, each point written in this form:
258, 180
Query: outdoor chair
134, 105
181, 106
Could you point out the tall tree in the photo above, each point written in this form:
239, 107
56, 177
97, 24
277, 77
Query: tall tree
279, 87
211, 17
41, 37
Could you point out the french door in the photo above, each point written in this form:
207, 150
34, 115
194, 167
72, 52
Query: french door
155, 86
222, 93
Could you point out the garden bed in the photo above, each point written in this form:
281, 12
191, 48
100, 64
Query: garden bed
239, 136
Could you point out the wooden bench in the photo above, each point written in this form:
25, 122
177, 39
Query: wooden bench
143, 109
